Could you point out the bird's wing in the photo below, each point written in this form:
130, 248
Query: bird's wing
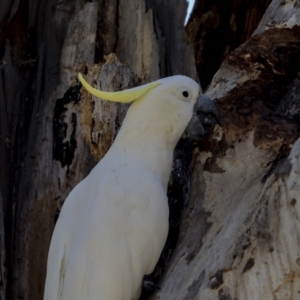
59, 251
55, 273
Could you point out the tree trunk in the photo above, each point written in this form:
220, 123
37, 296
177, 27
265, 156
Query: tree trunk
240, 233
53, 133
217, 27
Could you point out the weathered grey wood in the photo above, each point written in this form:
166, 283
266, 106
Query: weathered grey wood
51, 166
280, 14
240, 234
30, 44
149, 36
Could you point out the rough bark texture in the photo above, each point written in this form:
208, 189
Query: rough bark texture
217, 27
240, 234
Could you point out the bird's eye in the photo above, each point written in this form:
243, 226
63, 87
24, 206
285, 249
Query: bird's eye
185, 94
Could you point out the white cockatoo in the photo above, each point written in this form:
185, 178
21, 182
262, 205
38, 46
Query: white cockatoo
114, 224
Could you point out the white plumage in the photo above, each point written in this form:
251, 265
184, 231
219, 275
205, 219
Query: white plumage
114, 224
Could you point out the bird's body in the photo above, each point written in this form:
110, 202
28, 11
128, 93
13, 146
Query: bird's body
110, 245
114, 224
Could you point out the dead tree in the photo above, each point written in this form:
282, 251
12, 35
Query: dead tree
240, 232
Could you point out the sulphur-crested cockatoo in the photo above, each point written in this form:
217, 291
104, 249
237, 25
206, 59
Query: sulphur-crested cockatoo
114, 224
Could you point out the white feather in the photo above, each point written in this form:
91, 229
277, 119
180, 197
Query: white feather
114, 224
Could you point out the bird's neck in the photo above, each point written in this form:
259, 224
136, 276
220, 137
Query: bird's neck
146, 148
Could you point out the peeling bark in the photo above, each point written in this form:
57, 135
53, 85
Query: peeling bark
245, 180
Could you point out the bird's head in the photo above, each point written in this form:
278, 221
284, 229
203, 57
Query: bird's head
164, 106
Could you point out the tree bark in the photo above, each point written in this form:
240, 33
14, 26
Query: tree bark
218, 27
240, 233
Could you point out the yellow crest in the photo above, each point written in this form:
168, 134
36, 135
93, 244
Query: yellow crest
125, 96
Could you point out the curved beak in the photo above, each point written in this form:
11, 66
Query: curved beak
205, 117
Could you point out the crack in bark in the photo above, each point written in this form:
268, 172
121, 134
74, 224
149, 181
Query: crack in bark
63, 149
